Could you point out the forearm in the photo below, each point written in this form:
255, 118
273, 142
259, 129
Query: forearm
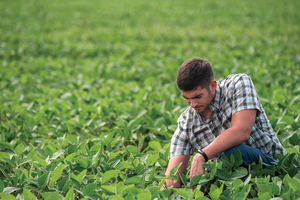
241, 126
227, 139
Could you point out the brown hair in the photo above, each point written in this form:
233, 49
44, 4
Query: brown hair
193, 73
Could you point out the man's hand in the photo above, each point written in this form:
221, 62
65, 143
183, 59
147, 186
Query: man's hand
184, 159
197, 167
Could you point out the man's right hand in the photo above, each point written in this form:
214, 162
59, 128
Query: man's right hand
184, 159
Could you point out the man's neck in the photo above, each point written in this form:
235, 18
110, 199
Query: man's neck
206, 114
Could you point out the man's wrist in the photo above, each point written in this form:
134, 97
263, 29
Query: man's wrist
203, 154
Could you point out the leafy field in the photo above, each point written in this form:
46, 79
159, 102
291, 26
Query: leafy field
89, 103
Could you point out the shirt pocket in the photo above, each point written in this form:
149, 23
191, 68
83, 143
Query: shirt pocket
199, 130
201, 137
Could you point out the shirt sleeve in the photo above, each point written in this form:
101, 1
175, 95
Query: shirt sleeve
180, 144
245, 95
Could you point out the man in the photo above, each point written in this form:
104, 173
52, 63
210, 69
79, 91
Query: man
222, 117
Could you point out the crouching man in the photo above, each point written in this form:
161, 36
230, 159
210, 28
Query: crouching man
222, 116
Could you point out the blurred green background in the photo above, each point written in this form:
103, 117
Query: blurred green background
107, 61
88, 96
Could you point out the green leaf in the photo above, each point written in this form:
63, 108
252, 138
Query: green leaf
40, 160
294, 140
28, 195
70, 157
83, 162
23, 176
162, 182
133, 180
80, 176
293, 183
5, 125
183, 178
96, 157
152, 174
109, 174
115, 197
151, 160
144, 195
22, 161
265, 196
141, 113
223, 173
226, 162
239, 173
197, 193
1, 186
93, 197
288, 119
9, 161
155, 145
56, 174
43, 180
247, 180
51, 196
4, 155
72, 149
238, 158
244, 192
89, 189
215, 192
33, 182
10, 189
7, 196
155, 191
181, 192
174, 170
119, 188
264, 188
232, 160
292, 171
56, 155
162, 162
122, 165
63, 184
195, 180
237, 183
108, 188
275, 188
19, 149
132, 149
109, 138
70, 194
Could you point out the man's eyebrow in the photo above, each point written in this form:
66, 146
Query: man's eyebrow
198, 95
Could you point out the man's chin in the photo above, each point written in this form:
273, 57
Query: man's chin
199, 109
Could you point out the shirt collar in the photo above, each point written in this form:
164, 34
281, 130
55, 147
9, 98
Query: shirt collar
215, 103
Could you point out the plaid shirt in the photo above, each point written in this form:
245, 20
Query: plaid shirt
233, 94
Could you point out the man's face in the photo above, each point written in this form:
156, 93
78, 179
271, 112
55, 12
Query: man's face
200, 98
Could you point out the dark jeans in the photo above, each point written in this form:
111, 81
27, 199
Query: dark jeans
249, 154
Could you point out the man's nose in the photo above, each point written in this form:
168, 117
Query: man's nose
193, 103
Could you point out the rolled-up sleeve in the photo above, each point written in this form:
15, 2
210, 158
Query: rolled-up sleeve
245, 96
180, 144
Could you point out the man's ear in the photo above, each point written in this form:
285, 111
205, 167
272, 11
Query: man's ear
213, 85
